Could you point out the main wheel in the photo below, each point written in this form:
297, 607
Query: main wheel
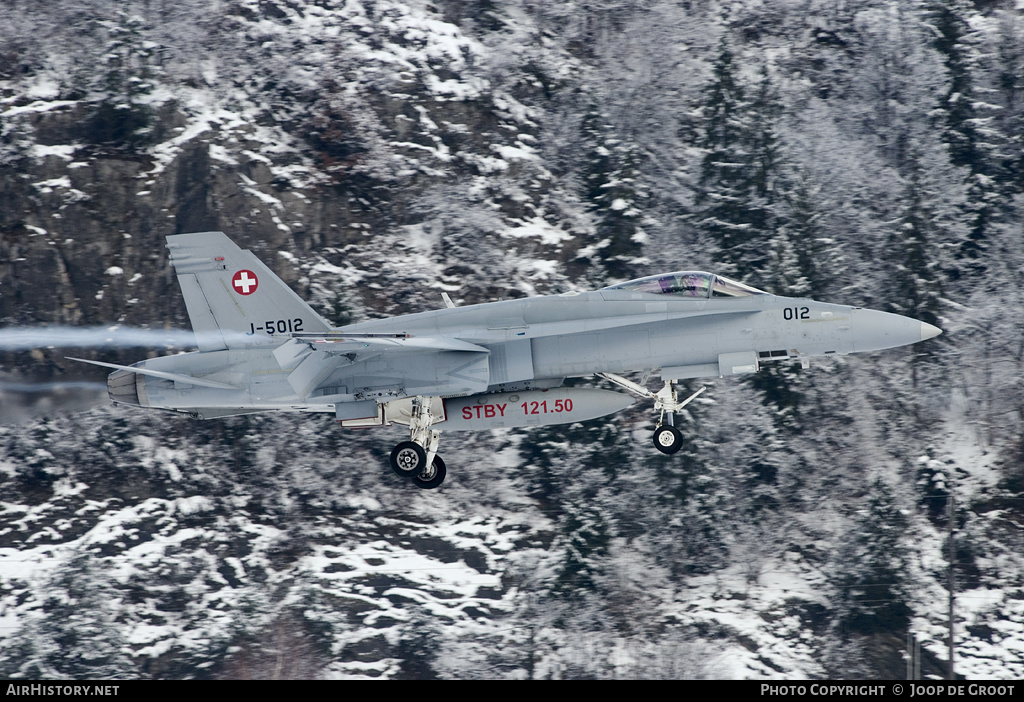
667, 439
408, 459
430, 479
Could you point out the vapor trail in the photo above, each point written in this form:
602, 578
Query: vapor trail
37, 388
115, 337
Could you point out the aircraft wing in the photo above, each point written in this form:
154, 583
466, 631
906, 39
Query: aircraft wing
310, 359
342, 344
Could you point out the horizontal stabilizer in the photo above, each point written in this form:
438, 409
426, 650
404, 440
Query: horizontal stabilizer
176, 377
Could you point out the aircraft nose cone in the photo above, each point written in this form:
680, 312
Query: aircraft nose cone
929, 331
876, 330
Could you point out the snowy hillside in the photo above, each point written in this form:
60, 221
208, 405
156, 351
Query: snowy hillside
376, 153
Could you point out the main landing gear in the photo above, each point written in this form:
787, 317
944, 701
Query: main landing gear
667, 438
417, 458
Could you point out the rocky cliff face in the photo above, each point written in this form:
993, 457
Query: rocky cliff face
376, 153
334, 126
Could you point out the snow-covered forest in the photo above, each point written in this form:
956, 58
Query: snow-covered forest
376, 153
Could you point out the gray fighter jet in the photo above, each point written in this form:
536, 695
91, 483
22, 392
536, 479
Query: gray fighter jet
261, 348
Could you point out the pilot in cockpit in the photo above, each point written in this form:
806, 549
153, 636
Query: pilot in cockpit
694, 285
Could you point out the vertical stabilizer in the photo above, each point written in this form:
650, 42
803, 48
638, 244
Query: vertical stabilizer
232, 297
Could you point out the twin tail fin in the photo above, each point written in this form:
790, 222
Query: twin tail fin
233, 299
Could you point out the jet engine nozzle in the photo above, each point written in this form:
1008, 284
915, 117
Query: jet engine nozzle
123, 388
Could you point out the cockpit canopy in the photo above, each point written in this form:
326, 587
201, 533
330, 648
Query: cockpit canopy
695, 284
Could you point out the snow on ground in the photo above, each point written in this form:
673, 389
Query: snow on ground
761, 614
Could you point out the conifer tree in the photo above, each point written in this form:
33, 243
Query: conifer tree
766, 156
121, 117
802, 262
964, 128
738, 190
76, 633
917, 290
724, 206
610, 183
739, 197
873, 569
1010, 84
586, 535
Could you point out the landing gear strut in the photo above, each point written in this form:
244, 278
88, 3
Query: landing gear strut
417, 458
667, 438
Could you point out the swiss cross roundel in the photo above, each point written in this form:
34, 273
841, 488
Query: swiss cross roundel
244, 282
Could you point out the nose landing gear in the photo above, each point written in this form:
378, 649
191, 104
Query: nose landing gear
667, 438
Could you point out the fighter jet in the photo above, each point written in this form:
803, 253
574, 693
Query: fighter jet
261, 348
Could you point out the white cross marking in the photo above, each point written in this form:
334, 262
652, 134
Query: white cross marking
244, 282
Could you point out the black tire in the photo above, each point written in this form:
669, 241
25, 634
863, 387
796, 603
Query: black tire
667, 439
408, 459
436, 475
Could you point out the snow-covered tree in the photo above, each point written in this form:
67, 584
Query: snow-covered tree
76, 632
725, 204
915, 246
966, 129
122, 117
613, 196
871, 570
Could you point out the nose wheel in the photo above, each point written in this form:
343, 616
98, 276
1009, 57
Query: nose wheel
667, 439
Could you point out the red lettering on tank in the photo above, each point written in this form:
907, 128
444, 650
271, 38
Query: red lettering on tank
485, 411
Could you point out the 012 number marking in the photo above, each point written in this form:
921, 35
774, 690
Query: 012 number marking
789, 313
